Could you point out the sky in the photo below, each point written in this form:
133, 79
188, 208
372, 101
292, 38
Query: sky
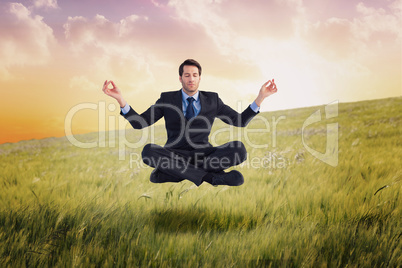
56, 54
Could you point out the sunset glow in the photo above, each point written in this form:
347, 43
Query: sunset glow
56, 55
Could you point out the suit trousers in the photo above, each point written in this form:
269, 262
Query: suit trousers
175, 165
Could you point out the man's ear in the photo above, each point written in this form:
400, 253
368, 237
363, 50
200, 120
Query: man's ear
180, 79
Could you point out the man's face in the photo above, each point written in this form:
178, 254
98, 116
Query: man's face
190, 79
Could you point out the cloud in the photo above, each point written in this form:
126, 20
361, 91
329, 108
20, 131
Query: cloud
25, 40
345, 38
100, 46
97, 32
355, 56
47, 4
138, 46
396, 8
374, 21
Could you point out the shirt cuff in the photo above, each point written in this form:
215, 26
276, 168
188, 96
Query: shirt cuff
254, 107
125, 109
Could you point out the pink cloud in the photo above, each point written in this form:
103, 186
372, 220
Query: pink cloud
345, 38
47, 4
161, 38
25, 38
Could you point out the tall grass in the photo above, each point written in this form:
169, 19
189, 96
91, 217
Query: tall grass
66, 206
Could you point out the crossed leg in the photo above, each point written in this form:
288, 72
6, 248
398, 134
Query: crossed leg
176, 165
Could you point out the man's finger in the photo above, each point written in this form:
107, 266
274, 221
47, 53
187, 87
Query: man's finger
107, 85
267, 83
113, 83
274, 89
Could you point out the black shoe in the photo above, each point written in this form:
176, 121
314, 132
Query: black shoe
154, 176
232, 178
160, 177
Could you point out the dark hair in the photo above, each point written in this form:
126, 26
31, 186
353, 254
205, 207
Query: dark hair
190, 62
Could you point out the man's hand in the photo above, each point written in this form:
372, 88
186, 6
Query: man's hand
266, 90
113, 92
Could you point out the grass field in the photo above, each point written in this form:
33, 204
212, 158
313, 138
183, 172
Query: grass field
61, 205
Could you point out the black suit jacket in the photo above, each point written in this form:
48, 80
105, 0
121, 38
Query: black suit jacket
188, 134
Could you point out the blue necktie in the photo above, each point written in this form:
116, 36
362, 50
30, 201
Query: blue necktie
190, 113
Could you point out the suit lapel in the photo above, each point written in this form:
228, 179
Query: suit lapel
204, 102
177, 100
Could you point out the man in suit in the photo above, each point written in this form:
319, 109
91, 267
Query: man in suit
189, 115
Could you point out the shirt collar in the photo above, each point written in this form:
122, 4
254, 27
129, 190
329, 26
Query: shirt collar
185, 96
